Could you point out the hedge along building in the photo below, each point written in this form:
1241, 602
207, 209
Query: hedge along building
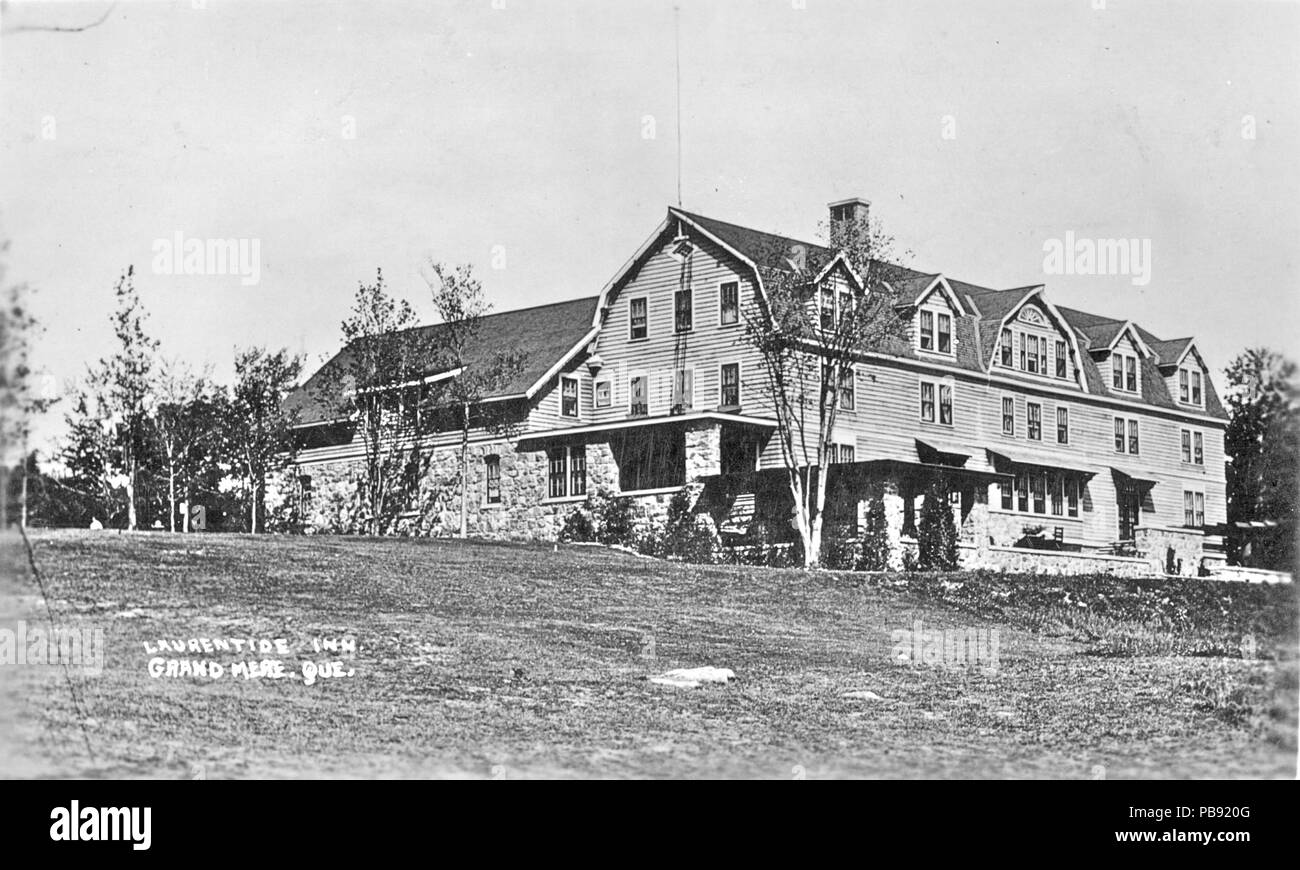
1050, 423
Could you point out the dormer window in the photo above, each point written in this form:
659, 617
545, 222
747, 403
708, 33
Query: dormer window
935, 331
1190, 387
1123, 372
1006, 348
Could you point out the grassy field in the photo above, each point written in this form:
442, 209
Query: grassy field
509, 661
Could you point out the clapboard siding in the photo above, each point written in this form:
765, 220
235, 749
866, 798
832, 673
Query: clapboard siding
703, 350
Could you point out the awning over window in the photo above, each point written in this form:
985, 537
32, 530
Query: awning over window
1124, 477
933, 451
1004, 457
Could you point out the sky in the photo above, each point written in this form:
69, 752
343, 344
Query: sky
537, 141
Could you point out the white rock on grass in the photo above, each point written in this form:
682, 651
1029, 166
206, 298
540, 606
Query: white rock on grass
691, 678
861, 696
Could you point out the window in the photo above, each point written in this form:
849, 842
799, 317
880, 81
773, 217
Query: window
1008, 491
1187, 445
1029, 353
1008, 415
1196, 388
848, 389
1183, 394
927, 401
1123, 372
945, 333
304, 492
652, 459
604, 393
927, 330
578, 470
827, 303
730, 303
846, 305
1062, 425
492, 474
842, 452
637, 319
568, 471
1022, 491
1034, 421
683, 390
1038, 482
568, 397
945, 404
1056, 485
1060, 359
730, 390
638, 389
1133, 437
1072, 487
1119, 435
1006, 348
1042, 355
1199, 452
1193, 509
684, 315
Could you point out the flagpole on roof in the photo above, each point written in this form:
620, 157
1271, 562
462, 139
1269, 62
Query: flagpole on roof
677, 41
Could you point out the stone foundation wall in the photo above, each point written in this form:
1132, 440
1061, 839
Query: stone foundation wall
524, 512
1021, 561
1155, 542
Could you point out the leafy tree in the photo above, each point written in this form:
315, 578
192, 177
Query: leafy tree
379, 384
875, 538
260, 434
20, 402
460, 304
808, 332
88, 452
124, 387
936, 531
1262, 442
187, 425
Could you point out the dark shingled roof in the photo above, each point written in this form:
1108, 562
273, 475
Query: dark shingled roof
543, 334
1170, 351
977, 334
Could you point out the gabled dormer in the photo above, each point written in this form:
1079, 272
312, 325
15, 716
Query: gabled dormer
1033, 340
1120, 351
933, 314
1184, 370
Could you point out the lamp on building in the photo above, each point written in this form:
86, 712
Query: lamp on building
595, 364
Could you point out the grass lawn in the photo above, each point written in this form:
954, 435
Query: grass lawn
514, 661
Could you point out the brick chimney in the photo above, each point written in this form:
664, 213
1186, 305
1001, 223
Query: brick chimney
848, 212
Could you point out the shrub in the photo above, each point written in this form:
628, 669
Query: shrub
577, 527
614, 518
936, 533
839, 548
687, 536
874, 553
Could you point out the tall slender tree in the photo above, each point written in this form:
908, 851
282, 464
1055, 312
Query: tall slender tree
127, 389
460, 304
260, 431
386, 359
20, 400
810, 326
